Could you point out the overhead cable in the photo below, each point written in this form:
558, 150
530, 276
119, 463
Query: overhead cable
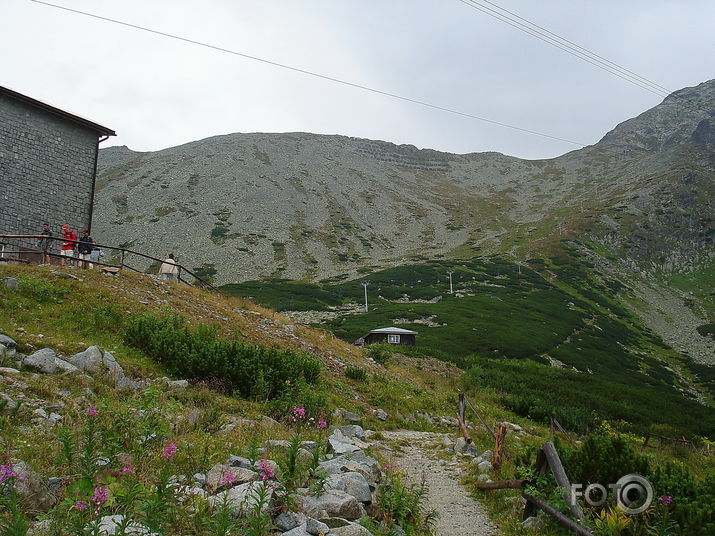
310, 73
553, 39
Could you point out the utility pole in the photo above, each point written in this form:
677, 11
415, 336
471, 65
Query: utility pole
365, 284
449, 273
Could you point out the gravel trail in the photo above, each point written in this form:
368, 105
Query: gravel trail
459, 514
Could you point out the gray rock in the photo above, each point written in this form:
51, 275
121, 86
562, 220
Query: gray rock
334, 522
200, 479
94, 361
289, 520
335, 503
217, 473
300, 530
32, 488
239, 461
276, 444
487, 455
484, 478
113, 524
125, 383
533, 522
338, 443
177, 384
471, 450
9, 344
8, 371
42, 361
352, 483
10, 282
64, 366
351, 530
7, 404
353, 430
40, 528
242, 499
460, 445
308, 445
511, 426
484, 466
315, 527
381, 414
351, 417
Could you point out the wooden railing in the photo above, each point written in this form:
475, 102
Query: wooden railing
24, 248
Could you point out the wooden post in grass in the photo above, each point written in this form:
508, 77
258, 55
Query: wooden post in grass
499, 449
561, 479
558, 516
460, 419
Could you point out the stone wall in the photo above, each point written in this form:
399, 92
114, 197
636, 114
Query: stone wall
47, 168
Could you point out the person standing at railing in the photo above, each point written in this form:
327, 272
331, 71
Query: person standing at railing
44, 244
168, 269
84, 249
67, 249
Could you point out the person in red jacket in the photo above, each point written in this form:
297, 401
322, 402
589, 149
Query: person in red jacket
67, 249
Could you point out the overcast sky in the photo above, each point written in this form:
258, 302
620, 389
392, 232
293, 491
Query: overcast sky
157, 92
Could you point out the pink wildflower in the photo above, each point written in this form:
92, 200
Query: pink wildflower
265, 470
665, 500
169, 451
80, 505
99, 498
7, 472
227, 479
91, 411
127, 470
322, 425
388, 467
298, 413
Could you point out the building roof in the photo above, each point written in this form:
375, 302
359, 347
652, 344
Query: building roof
395, 331
56, 111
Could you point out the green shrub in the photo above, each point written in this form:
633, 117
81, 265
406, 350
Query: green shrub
253, 372
380, 353
356, 373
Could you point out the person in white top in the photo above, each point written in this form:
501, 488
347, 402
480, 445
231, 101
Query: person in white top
169, 270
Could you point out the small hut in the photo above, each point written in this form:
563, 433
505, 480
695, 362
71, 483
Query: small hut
391, 335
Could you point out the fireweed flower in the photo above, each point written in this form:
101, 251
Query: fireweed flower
265, 470
127, 470
227, 479
99, 498
298, 413
665, 500
91, 411
168, 452
81, 506
322, 425
7, 471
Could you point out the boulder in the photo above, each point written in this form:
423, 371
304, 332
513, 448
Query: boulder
217, 473
484, 467
338, 443
300, 530
239, 461
335, 503
315, 527
487, 455
242, 499
351, 417
7, 404
289, 520
276, 444
353, 529
352, 483
352, 431
65, 367
381, 414
42, 361
94, 361
177, 384
113, 525
9, 371
32, 489
460, 445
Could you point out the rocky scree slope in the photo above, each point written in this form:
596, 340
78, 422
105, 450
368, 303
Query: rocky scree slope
306, 206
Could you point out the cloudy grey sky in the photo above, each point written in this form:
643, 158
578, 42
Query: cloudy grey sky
158, 92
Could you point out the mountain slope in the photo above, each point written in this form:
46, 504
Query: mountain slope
306, 206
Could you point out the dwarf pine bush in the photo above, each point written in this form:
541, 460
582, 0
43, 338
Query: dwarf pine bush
252, 371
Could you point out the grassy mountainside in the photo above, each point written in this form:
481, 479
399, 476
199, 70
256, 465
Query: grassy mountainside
552, 334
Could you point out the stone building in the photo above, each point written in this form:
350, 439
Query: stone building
48, 165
